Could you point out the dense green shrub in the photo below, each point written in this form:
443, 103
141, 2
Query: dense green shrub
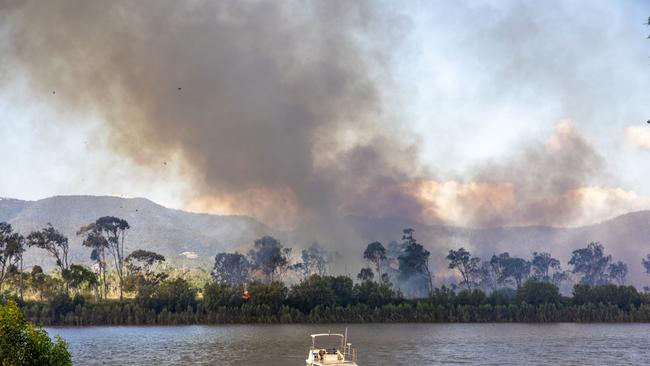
313, 291
216, 295
466, 297
374, 294
502, 296
272, 295
22, 343
174, 295
538, 293
624, 297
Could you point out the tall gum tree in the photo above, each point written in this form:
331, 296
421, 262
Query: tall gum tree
93, 239
115, 230
12, 246
56, 244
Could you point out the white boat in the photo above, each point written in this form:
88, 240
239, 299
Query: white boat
345, 355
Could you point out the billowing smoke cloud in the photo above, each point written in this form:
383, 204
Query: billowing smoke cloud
542, 183
543, 178
277, 101
282, 110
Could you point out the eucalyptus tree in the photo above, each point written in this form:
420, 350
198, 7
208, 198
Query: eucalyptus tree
115, 230
618, 272
592, 263
142, 269
12, 277
467, 266
144, 262
107, 234
93, 239
518, 269
511, 269
55, 243
316, 260
38, 280
52, 241
365, 274
231, 269
559, 277
79, 277
270, 258
12, 246
542, 266
488, 275
414, 270
376, 254
548, 269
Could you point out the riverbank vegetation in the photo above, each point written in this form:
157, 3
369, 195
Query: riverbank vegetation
336, 299
271, 285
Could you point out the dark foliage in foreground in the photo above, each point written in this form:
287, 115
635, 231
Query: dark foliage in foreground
337, 299
22, 343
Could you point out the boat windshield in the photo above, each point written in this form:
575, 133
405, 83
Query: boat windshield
330, 342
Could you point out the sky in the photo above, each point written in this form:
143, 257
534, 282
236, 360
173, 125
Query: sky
476, 113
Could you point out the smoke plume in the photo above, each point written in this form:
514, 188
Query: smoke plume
280, 110
544, 178
279, 101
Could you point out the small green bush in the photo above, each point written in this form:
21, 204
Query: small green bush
22, 343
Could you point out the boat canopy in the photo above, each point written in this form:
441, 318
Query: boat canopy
342, 336
328, 335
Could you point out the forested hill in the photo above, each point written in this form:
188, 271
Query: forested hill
171, 232
154, 227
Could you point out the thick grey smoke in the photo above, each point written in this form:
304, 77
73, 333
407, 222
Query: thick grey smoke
545, 181
277, 109
280, 98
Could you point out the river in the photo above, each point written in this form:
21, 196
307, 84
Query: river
376, 344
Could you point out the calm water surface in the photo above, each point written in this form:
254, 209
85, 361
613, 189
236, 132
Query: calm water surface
377, 344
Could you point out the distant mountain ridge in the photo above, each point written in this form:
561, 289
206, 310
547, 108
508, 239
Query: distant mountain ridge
153, 227
172, 232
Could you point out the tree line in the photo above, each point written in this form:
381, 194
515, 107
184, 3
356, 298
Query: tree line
590, 265
338, 299
397, 284
105, 239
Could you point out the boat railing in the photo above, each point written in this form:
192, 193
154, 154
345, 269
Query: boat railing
350, 353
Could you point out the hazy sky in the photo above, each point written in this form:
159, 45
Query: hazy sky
476, 113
